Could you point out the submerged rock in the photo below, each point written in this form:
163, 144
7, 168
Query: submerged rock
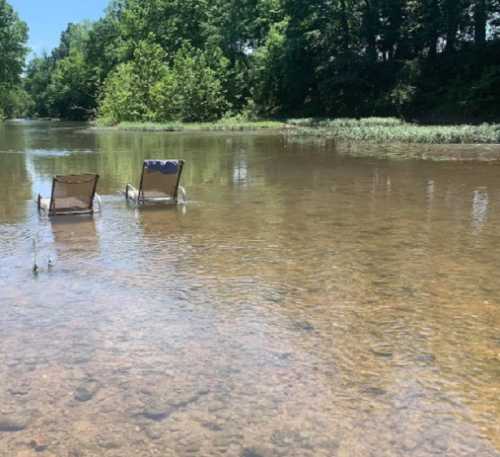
152, 432
14, 423
257, 451
385, 353
374, 391
159, 408
426, 358
108, 442
18, 390
157, 412
304, 325
86, 390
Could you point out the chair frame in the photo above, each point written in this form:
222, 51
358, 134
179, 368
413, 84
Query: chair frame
52, 211
140, 199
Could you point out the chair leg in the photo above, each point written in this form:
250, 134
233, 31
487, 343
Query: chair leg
181, 195
131, 193
97, 199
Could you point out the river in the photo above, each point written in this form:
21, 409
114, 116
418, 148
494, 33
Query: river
302, 304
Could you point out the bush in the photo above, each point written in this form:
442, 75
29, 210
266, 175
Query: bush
192, 90
14, 102
146, 89
131, 91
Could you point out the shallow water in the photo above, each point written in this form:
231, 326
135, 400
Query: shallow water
303, 303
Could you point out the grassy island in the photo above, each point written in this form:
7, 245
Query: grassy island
374, 130
393, 130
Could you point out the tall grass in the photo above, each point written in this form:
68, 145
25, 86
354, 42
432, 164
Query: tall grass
347, 122
226, 124
391, 130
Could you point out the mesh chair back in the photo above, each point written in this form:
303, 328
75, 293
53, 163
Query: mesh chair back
73, 194
160, 179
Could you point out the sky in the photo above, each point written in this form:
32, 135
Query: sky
46, 19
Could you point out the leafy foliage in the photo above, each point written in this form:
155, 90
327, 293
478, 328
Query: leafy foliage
147, 89
201, 60
13, 37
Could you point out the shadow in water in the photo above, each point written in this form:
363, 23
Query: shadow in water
75, 237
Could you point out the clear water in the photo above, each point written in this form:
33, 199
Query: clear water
303, 303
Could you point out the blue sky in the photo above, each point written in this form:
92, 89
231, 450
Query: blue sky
48, 18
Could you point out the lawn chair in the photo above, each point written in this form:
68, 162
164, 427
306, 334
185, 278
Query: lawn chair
71, 194
159, 183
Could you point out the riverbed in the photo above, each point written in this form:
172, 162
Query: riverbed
302, 303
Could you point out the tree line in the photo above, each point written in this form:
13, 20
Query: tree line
200, 60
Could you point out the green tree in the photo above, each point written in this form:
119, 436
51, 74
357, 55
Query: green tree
131, 91
36, 83
13, 38
193, 88
199, 60
147, 89
71, 91
269, 71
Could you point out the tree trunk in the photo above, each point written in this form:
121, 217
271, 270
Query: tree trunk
370, 25
433, 20
345, 26
480, 18
452, 19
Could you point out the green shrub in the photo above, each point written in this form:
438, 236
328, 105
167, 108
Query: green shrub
132, 91
192, 90
145, 89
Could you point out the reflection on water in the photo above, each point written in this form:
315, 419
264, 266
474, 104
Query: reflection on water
303, 304
75, 236
479, 208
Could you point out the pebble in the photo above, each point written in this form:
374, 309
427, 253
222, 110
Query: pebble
153, 432
257, 452
304, 325
39, 443
382, 353
108, 442
375, 391
410, 443
18, 390
159, 408
157, 412
426, 358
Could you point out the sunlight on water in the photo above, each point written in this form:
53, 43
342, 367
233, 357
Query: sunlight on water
303, 303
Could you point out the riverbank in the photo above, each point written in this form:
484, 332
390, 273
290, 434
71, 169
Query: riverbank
368, 130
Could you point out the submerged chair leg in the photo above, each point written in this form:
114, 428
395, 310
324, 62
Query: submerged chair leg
131, 193
43, 204
98, 201
181, 195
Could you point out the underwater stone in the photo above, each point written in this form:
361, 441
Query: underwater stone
13, 423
